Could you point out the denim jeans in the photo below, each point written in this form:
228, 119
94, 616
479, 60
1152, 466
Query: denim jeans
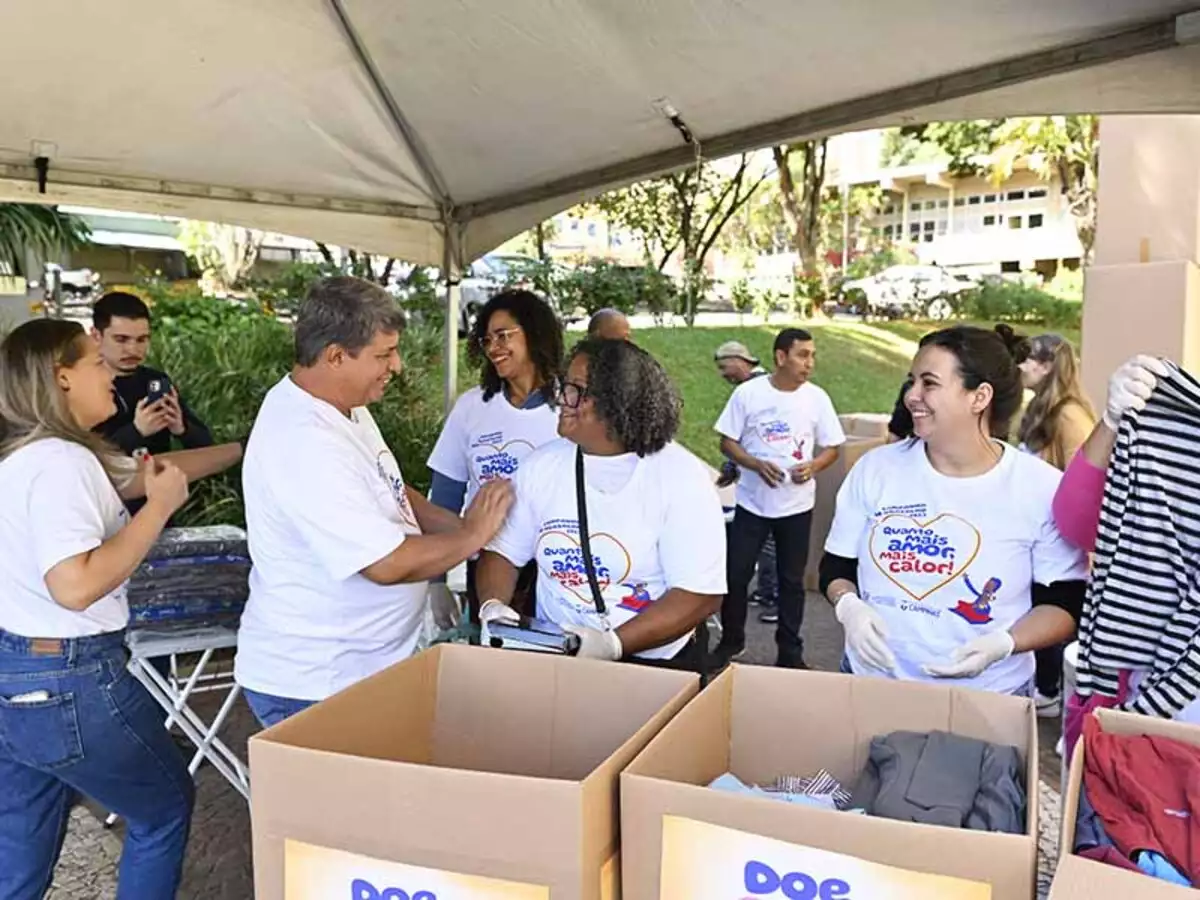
86, 726
768, 572
271, 710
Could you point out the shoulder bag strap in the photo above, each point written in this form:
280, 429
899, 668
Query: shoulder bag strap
585, 541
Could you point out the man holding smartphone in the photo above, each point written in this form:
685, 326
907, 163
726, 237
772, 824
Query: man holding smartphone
150, 414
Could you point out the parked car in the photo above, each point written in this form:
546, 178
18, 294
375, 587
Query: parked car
910, 291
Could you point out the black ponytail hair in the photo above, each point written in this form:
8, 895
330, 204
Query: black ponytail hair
990, 357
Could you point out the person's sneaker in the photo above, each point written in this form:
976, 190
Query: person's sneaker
769, 616
1047, 707
1060, 747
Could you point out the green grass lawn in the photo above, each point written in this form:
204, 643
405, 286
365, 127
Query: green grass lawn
860, 366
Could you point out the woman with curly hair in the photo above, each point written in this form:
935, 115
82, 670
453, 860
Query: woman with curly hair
517, 343
655, 525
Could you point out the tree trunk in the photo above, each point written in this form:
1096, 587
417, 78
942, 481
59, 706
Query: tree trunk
802, 203
539, 235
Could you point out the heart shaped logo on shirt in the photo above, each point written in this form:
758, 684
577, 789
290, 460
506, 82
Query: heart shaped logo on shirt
560, 556
493, 461
921, 558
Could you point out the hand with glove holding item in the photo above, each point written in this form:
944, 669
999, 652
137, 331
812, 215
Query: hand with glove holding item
971, 658
595, 643
1131, 386
866, 632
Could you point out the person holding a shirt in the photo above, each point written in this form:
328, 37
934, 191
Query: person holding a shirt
655, 526
943, 560
342, 547
72, 717
517, 341
781, 431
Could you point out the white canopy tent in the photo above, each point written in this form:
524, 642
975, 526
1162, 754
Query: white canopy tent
433, 130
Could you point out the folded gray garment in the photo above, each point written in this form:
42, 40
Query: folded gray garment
943, 779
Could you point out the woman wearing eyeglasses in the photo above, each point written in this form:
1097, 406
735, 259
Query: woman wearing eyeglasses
655, 525
518, 345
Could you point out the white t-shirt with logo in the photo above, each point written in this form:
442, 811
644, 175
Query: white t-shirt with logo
784, 427
56, 502
482, 441
655, 523
324, 499
945, 560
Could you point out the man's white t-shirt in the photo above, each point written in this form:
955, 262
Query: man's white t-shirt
945, 560
482, 441
655, 523
784, 427
56, 502
324, 499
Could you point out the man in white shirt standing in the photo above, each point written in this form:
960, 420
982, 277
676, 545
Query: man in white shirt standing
342, 547
781, 431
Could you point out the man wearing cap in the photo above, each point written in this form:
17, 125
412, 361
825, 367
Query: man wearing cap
738, 365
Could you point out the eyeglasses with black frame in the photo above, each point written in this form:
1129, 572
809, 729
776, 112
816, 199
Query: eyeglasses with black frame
571, 394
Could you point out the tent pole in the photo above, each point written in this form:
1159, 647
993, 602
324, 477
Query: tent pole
452, 269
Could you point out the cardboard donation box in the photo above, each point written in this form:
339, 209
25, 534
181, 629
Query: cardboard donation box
828, 483
683, 839
865, 425
1083, 879
461, 773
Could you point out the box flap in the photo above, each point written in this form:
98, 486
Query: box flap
1083, 879
694, 746
1116, 722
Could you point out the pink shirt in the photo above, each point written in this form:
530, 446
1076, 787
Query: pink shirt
1077, 502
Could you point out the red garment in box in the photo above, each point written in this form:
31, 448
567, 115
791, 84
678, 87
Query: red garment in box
1146, 791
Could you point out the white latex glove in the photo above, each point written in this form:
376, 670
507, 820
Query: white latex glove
1130, 387
974, 656
866, 633
495, 611
597, 644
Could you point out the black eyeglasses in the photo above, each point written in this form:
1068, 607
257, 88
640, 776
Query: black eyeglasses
571, 394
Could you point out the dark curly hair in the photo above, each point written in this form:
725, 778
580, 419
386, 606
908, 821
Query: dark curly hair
543, 337
992, 357
632, 393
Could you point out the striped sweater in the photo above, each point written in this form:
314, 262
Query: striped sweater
1143, 604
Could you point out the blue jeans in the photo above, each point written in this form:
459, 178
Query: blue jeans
99, 733
271, 710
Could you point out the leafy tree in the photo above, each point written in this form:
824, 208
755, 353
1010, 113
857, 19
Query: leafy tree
41, 230
1063, 146
684, 212
225, 253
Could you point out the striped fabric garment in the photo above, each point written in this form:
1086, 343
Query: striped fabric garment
1143, 604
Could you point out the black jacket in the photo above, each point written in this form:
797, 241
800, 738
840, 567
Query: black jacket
132, 389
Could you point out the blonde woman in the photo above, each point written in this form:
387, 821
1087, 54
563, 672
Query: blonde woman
1059, 417
72, 718
1056, 422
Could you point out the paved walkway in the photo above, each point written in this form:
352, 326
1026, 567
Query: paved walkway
218, 865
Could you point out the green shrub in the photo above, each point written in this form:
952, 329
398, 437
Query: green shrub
1008, 301
225, 356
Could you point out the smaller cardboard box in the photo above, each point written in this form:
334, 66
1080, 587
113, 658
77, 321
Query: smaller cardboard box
463, 772
866, 425
1078, 878
681, 838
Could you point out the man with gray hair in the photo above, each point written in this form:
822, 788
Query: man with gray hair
342, 547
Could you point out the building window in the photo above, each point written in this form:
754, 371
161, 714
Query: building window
943, 204
942, 227
1036, 194
574, 224
928, 238
928, 226
1015, 222
929, 204
914, 207
974, 199
989, 198
1015, 195
914, 229
890, 209
959, 201
1035, 220
591, 229
887, 232
989, 221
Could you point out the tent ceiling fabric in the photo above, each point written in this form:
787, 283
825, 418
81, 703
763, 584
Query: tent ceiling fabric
351, 121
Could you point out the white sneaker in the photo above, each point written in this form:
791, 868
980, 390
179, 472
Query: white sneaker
1059, 747
1047, 707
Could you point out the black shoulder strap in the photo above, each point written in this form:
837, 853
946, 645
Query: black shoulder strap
585, 541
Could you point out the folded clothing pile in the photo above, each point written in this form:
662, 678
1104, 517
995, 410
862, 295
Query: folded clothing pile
192, 575
821, 791
943, 779
1139, 807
